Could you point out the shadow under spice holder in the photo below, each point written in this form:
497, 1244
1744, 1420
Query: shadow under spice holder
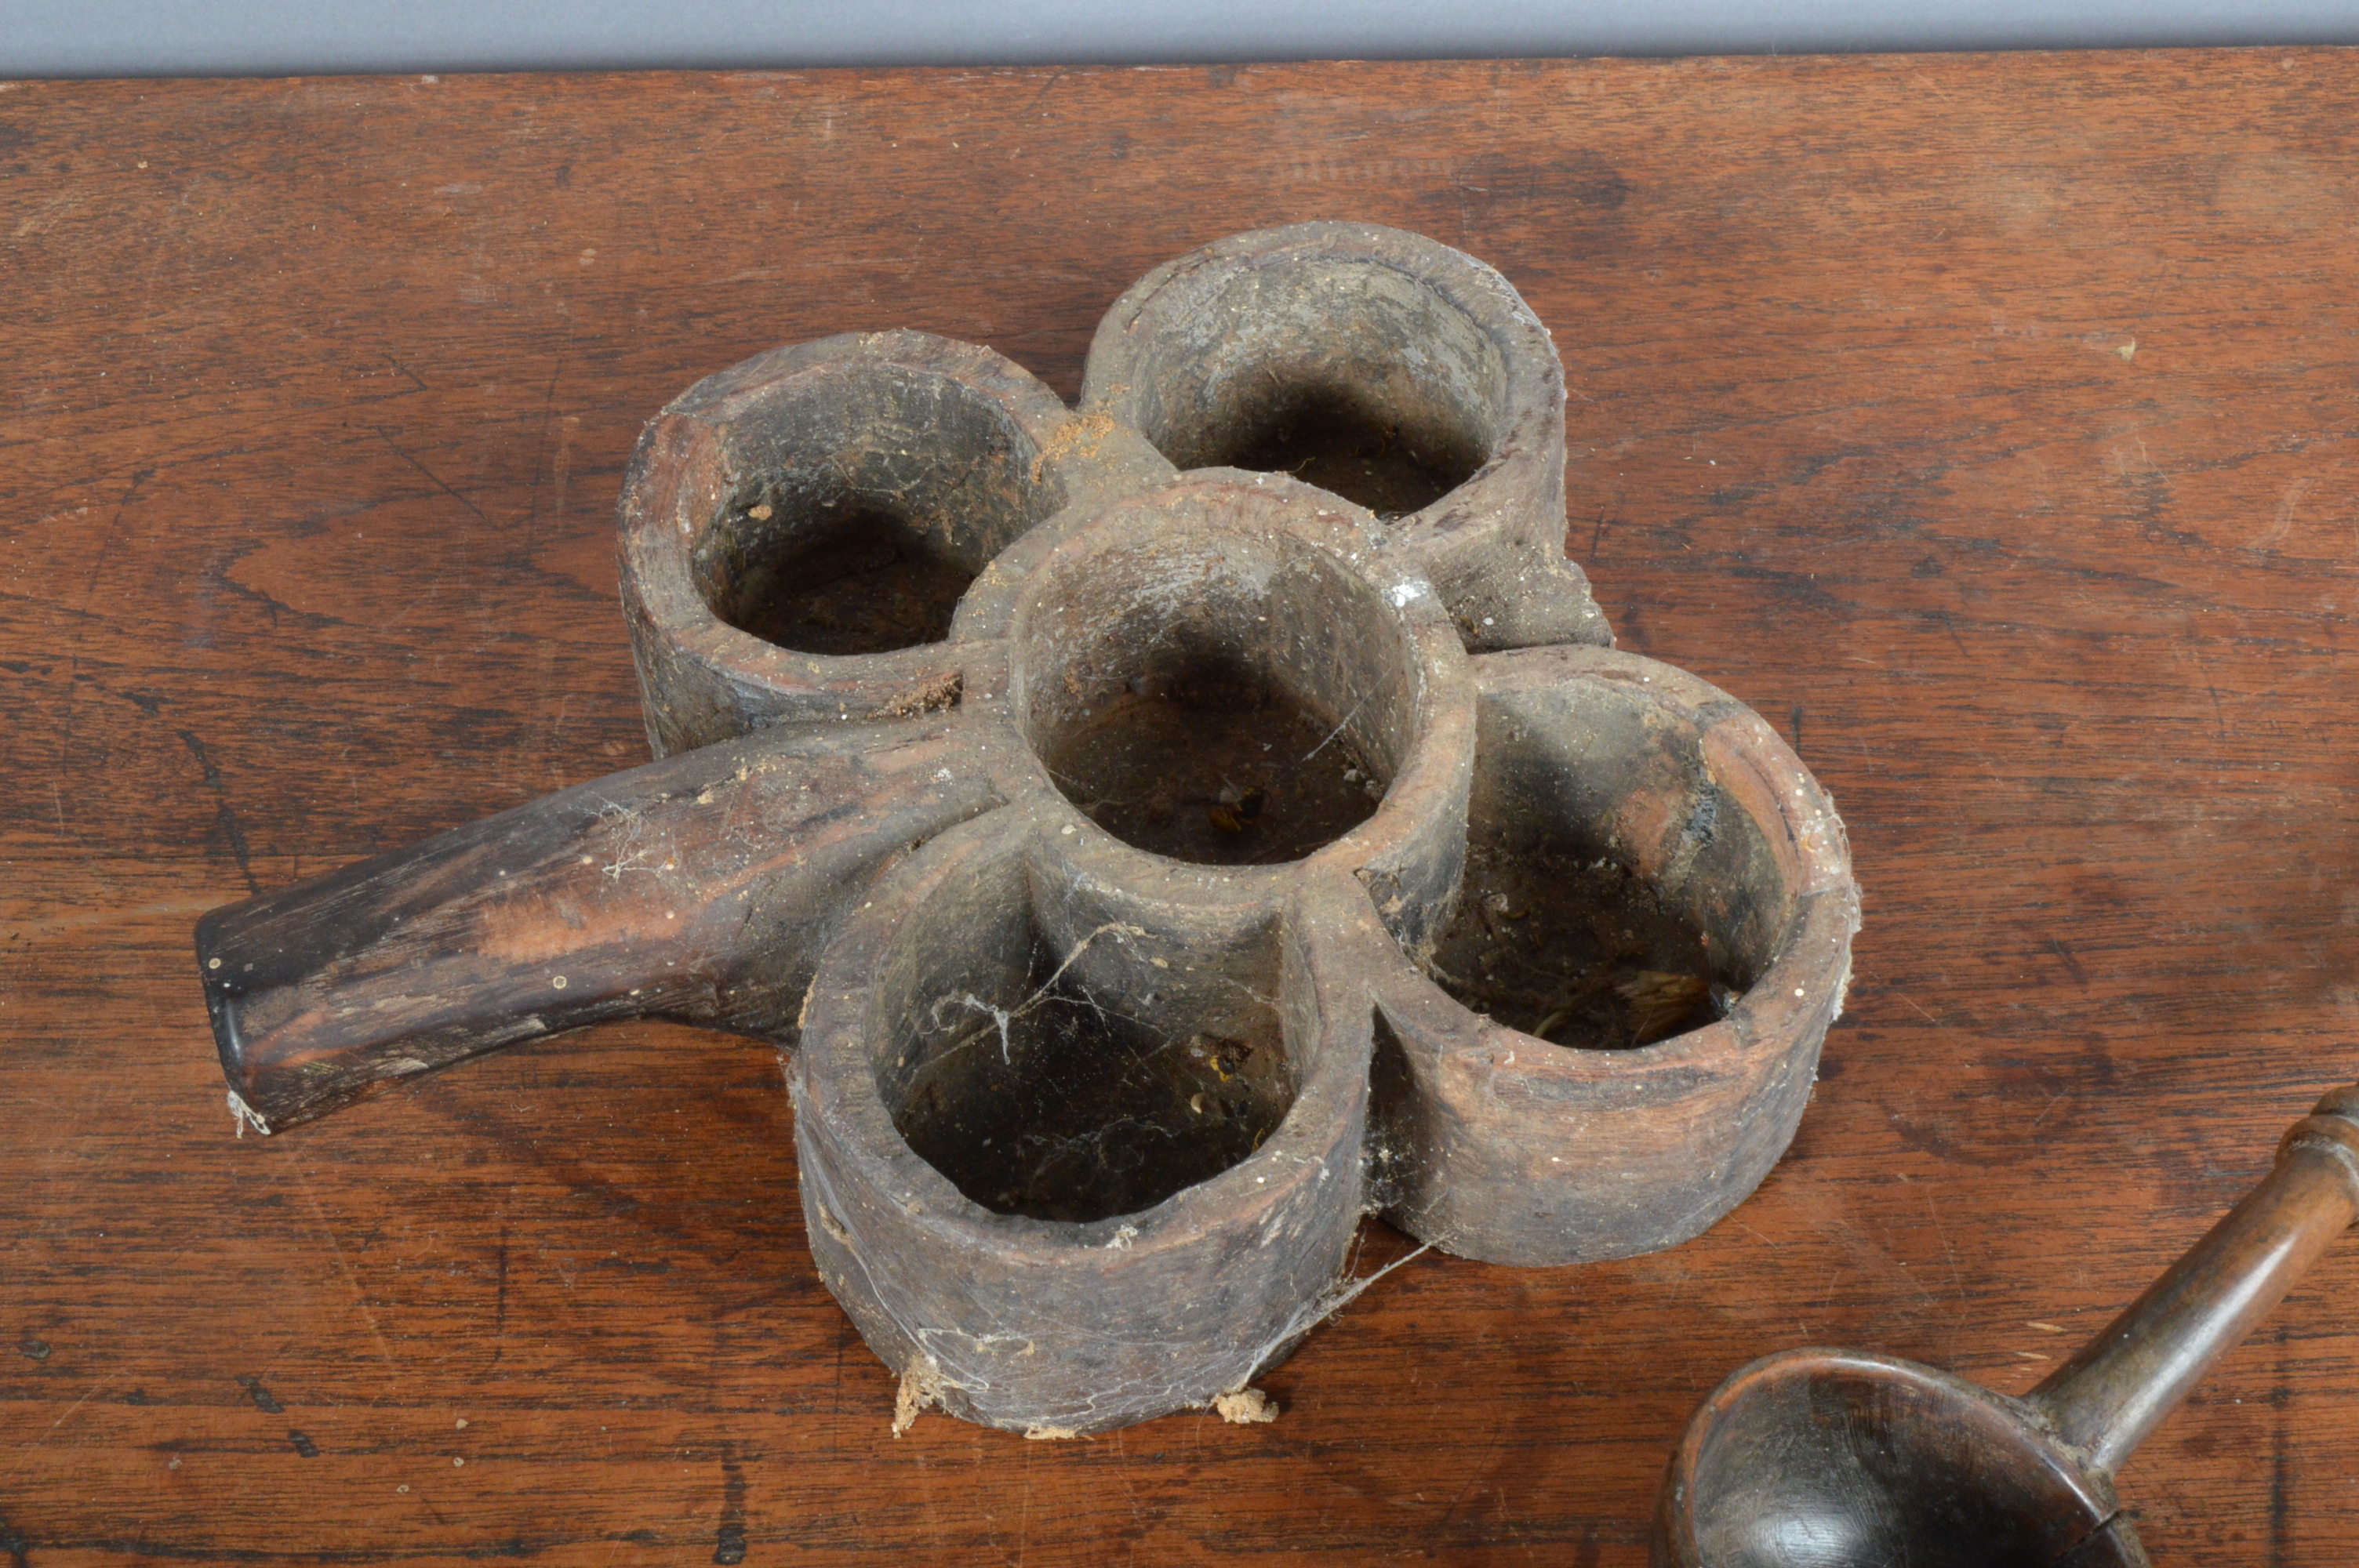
1165, 831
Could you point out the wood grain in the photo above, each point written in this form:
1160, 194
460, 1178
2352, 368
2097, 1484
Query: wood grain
1987, 422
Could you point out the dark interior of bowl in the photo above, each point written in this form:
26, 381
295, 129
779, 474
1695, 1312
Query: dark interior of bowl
1037, 1090
868, 497
1614, 894
1348, 374
1224, 699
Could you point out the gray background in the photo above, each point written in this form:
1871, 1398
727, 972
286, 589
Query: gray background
129, 38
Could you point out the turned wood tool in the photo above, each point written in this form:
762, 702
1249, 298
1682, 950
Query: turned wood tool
1841, 1459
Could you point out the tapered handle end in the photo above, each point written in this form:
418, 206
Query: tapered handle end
2108, 1397
326, 992
696, 888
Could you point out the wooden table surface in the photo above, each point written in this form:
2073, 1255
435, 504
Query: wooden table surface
1987, 422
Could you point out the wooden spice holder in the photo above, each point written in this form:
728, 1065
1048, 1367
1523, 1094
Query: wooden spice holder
1156, 824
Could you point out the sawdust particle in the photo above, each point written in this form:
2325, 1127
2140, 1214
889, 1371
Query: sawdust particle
1246, 1407
921, 1385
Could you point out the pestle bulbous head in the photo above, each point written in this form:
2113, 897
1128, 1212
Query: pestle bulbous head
1841, 1459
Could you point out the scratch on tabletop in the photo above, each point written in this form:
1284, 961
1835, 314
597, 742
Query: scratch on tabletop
351, 1280
25, 1454
541, 444
1130, 1491
387, 437
1949, 1252
500, 1302
105, 553
2288, 503
2218, 713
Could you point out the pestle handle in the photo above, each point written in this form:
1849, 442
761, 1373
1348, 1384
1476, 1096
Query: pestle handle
2124, 1382
697, 888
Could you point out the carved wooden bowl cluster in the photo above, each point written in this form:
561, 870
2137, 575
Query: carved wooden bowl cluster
1157, 824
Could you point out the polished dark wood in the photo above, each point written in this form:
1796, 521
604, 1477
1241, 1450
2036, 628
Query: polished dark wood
629, 896
1834, 1459
1986, 423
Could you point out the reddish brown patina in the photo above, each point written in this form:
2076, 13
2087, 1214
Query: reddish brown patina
1167, 829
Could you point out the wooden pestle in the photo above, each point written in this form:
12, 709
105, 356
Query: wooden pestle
1841, 1459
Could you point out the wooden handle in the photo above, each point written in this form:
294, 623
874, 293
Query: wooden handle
2121, 1385
696, 888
